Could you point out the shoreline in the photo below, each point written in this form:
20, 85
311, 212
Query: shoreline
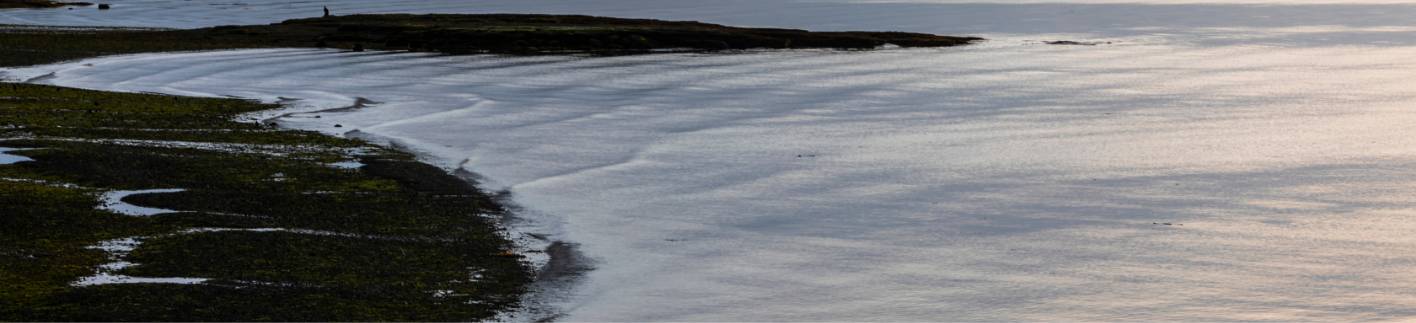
557, 265
554, 277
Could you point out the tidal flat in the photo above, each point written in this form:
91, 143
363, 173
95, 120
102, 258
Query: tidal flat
262, 227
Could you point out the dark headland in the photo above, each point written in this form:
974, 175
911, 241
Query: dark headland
501, 33
452, 34
10, 4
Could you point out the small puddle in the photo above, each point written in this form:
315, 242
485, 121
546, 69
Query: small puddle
113, 202
6, 159
117, 249
347, 165
110, 279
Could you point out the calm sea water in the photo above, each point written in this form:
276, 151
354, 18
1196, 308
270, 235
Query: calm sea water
1205, 161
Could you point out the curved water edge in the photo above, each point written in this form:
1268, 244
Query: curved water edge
559, 264
112, 201
7, 159
1008, 181
706, 176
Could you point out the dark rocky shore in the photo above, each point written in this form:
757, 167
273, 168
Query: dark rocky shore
452, 34
35, 4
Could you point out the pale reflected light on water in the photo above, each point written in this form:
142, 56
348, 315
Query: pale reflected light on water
1201, 169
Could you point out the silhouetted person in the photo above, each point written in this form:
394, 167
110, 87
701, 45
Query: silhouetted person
326, 11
